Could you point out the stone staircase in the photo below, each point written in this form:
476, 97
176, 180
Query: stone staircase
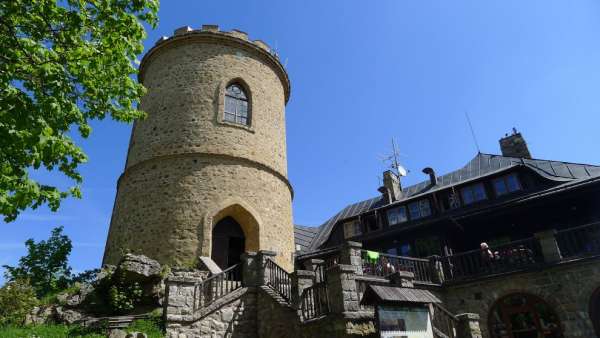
121, 322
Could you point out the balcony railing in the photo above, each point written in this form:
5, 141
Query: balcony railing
513, 256
383, 265
580, 241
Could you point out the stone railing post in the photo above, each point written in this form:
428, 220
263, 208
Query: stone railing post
404, 279
468, 326
350, 254
341, 288
263, 274
312, 264
301, 279
549, 246
250, 269
180, 298
437, 269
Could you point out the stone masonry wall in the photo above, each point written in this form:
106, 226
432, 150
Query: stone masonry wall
185, 164
567, 288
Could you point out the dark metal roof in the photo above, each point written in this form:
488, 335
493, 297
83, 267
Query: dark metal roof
303, 236
480, 166
376, 294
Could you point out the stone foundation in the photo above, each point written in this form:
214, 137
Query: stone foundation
567, 288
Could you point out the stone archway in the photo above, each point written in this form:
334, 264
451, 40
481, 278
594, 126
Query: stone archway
234, 211
523, 315
595, 311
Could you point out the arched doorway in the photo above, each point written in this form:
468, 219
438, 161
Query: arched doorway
521, 315
595, 311
228, 242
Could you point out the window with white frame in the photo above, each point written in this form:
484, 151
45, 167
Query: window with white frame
473, 193
397, 215
506, 184
352, 228
236, 105
419, 209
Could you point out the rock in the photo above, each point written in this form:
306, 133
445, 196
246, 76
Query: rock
116, 333
68, 316
79, 297
40, 315
106, 272
136, 335
139, 268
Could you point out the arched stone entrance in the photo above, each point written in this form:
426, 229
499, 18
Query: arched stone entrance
228, 242
230, 230
521, 315
595, 311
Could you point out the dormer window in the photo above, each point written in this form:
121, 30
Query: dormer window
506, 184
473, 193
396, 215
419, 209
352, 229
236, 105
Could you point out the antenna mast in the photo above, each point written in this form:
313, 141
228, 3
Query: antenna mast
472, 132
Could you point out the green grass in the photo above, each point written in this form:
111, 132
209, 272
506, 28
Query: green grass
47, 331
150, 327
147, 326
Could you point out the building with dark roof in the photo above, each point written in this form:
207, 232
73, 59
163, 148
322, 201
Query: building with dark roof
511, 238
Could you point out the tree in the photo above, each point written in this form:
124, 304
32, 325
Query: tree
46, 264
17, 299
62, 64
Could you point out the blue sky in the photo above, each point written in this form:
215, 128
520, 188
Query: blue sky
362, 74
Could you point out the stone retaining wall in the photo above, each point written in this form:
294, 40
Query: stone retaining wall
567, 288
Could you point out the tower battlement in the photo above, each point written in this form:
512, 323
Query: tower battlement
212, 33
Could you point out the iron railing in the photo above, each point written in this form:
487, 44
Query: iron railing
314, 301
583, 240
217, 286
512, 256
279, 280
444, 323
383, 265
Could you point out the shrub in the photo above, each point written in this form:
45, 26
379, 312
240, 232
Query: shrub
17, 299
123, 295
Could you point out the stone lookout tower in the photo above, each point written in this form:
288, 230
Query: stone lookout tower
206, 171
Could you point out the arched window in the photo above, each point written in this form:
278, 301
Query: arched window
236, 105
523, 315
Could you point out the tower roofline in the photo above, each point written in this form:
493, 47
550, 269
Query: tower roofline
211, 33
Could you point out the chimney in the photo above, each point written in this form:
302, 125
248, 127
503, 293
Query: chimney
432, 178
514, 145
391, 186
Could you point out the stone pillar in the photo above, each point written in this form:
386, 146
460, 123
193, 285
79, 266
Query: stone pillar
437, 269
350, 254
550, 249
468, 326
312, 264
341, 288
250, 269
180, 297
263, 274
301, 279
403, 279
